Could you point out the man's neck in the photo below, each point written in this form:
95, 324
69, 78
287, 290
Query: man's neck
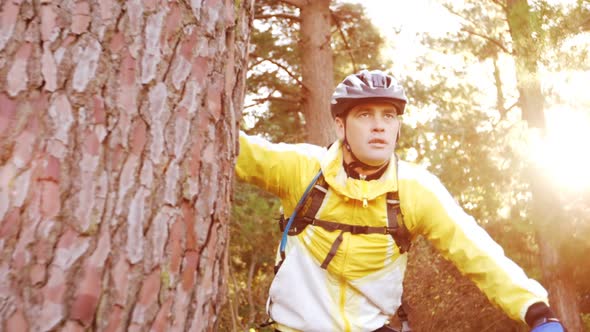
364, 173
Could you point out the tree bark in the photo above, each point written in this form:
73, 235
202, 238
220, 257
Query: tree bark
562, 294
118, 133
316, 69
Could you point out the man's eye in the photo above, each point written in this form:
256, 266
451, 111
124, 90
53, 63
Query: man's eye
364, 115
391, 115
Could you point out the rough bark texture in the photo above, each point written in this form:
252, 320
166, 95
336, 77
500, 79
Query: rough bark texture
317, 68
562, 294
117, 140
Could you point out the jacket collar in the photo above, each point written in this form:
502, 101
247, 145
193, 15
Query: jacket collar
336, 177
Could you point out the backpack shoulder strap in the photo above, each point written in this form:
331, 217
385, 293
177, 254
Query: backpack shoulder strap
285, 225
315, 199
395, 223
289, 223
395, 217
310, 205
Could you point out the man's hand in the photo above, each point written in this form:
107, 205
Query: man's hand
549, 326
542, 319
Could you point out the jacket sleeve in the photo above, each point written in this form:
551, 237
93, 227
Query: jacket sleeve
280, 168
436, 215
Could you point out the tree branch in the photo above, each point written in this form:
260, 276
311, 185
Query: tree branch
233, 306
513, 105
474, 24
346, 44
499, 93
296, 3
281, 66
285, 99
283, 15
259, 101
500, 3
452, 11
492, 40
255, 63
249, 289
252, 105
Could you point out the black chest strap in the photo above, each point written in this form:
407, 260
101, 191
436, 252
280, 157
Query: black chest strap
312, 204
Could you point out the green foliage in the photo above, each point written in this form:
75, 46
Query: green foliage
356, 42
485, 32
558, 24
586, 320
274, 71
482, 34
455, 140
254, 237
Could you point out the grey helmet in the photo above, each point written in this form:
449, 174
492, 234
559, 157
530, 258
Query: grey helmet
367, 86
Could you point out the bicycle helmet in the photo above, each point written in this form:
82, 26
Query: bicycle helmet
367, 86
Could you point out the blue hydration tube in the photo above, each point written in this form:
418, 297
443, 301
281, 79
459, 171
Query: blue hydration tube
292, 217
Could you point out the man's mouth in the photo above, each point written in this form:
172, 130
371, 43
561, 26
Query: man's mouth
377, 142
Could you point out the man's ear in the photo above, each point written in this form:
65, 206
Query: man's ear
339, 122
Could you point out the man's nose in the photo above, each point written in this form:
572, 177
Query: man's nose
377, 125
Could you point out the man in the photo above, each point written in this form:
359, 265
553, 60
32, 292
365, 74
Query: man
342, 267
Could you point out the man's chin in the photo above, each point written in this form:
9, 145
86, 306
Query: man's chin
378, 156
376, 161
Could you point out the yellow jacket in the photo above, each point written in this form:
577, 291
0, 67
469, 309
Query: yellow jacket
362, 286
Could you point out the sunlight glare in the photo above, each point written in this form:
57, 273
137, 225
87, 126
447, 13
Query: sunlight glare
564, 152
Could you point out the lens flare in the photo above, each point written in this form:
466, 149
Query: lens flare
564, 152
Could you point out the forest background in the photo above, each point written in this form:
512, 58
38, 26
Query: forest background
498, 110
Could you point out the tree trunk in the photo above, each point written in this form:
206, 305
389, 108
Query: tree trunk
317, 68
526, 54
562, 294
118, 133
500, 99
546, 214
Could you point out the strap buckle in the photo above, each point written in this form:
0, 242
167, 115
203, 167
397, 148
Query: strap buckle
389, 230
309, 221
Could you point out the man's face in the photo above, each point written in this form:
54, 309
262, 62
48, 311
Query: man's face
371, 131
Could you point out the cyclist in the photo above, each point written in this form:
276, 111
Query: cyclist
340, 270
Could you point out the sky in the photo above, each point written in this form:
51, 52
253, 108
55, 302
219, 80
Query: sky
409, 18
